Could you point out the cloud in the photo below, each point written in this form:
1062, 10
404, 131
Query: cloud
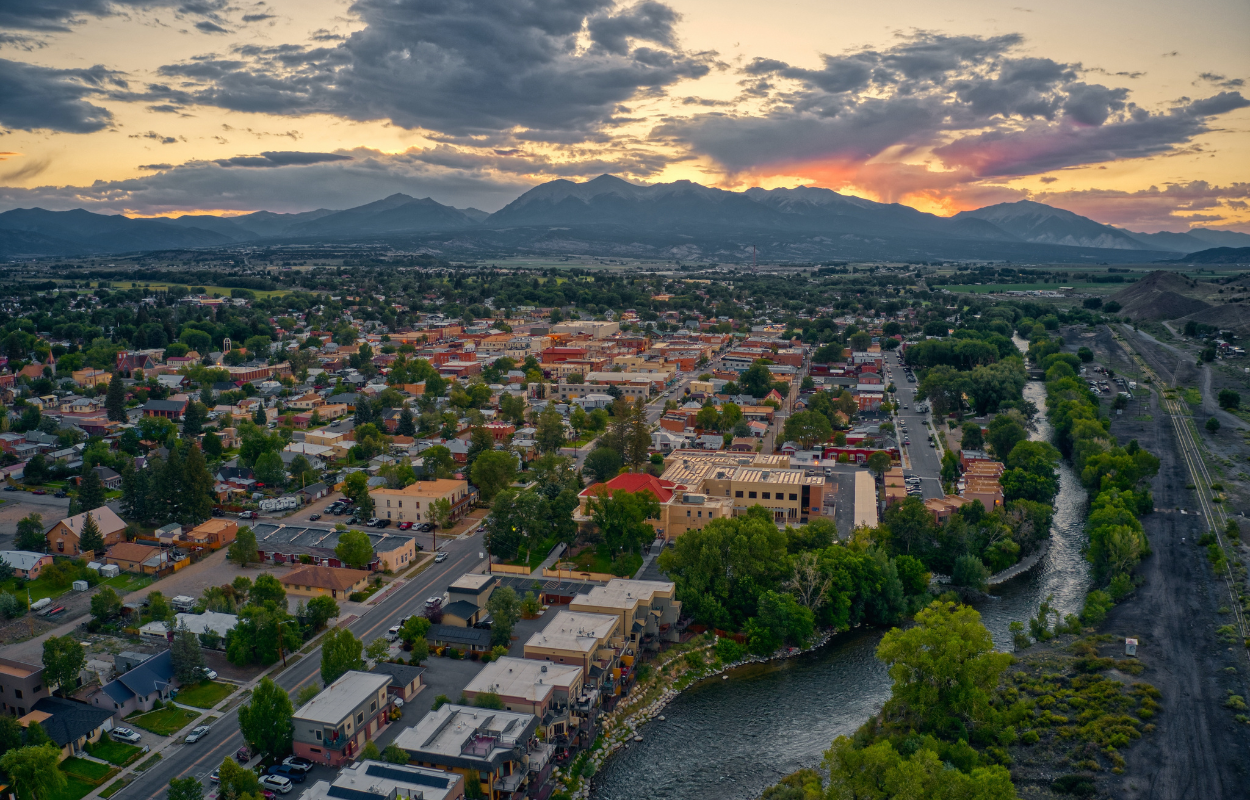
25, 171
40, 98
258, 17
58, 16
1173, 207
154, 167
1220, 81
281, 158
461, 68
209, 27
356, 177
155, 137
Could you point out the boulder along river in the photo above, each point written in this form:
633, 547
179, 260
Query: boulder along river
731, 739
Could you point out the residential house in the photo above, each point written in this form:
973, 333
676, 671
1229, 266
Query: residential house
63, 536
140, 559
169, 409
405, 679
214, 534
218, 623
25, 564
21, 686
647, 609
68, 723
332, 728
314, 581
111, 480
138, 688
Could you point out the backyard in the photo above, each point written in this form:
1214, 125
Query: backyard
58, 584
597, 559
204, 694
532, 557
164, 722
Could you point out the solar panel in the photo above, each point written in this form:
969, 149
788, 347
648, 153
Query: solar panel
407, 776
345, 793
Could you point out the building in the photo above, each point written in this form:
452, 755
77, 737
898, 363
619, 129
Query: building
415, 502
682, 507
405, 679
21, 686
790, 494
169, 409
111, 480
943, 507
141, 559
281, 544
467, 597
63, 536
332, 728
214, 534
647, 609
68, 723
500, 746
315, 581
384, 781
25, 564
90, 377
138, 688
459, 637
594, 642
547, 690
214, 621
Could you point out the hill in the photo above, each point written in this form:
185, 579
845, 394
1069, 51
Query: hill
38, 232
1043, 224
1217, 255
1162, 295
1229, 316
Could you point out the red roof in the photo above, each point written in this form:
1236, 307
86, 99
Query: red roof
635, 482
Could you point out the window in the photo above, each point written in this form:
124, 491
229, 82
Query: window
360, 717
687, 513
18, 692
318, 735
738, 493
388, 515
373, 706
767, 495
751, 495
794, 497
39, 687
388, 502
700, 515
401, 503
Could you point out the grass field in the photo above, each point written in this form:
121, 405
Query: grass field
535, 556
204, 694
40, 588
1027, 287
115, 752
83, 768
75, 788
165, 722
591, 560
224, 291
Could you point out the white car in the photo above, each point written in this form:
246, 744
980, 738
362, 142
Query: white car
197, 733
441, 557
398, 702
209, 674
393, 633
276, 783
125, 735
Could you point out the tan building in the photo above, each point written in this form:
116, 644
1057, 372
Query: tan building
63, 537
545, 689
140, 559
680, 510
645, 608
21, 686
580, 638
790, 494
214, 534
414, 503
314, 581
90, 377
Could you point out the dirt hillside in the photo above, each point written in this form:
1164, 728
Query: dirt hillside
1162, 295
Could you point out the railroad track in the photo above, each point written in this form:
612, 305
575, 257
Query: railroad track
1191, 452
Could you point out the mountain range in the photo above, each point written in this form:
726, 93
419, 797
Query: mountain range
609, 216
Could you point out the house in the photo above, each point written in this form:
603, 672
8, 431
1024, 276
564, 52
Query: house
111, 480
141, 559
63, 536
332, 728
68, 723
370, 779
547, 690
315, 581
127, 363
214, 534
169, 409
90, 377
415, 503
138, 688
405, 679
214, 621
25, 564
21, 686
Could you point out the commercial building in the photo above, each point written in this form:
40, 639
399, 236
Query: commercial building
547, 690
647, 609
315, 581
594, 642
21, 686
466, 599
500, 746
790, 494
415, 502
384, 781
63, 536
288, 544
332, 728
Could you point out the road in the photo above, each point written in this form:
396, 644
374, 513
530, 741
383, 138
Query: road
198, 760
926, 461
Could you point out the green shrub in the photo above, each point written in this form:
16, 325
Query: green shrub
729, 651
358, 597
1079, 785
1121, 586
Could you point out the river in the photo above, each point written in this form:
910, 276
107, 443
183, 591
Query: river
730, 739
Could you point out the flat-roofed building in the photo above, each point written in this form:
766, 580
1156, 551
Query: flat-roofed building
282, 544
645, 608
790, 494
332, 728
500, 746
545, 689
21, 686
415, 502
385, 781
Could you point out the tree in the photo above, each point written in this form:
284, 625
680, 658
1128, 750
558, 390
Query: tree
340, 653
1004, 433
1229, 399
34, 771
807, 428
267, 589
395, 754
757, 381
378, 649
638, 438
621, 518
212, 445
260, 418
188, 661
115, 399
549, 432
159, 607
105, 604
910, 524
780, 620
413, 635
972, 437
188, 788
440, 511
602, 464
265, 722
321, 610
270, 470
30, 535
356, 489
505, 609
354, 549
880, 772
90, 541
943, 667
63, 659
970, 571
493, 471
406, 426
438, 461
879, 462
1212, 424
261, 635
193, 420
244, 550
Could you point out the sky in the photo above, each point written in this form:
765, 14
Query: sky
1135, 114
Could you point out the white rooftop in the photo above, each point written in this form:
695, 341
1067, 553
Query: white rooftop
342, 697
24, 560
209, 620
375, 777
447, 731
579, 631
621, 593
472, 581
525, 678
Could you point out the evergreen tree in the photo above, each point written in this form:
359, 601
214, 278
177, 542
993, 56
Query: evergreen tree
193, 420
115, 400
91, 490
406, 425
259, 417
364, 410
638, 440
163, 486
212, 445
90, 540
134, 493
197, 488
206, 395
187, 658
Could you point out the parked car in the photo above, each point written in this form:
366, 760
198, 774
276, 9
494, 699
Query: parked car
404, 526
125, 735
314, 517
441, 557
40, 491
290, 773
217, 512
61, 493
11, 489
383, 523
247, 515
209, 674
433, 602
197, 733
296, 762
353, 520
425, 527
372, 523
243, 755
276, 783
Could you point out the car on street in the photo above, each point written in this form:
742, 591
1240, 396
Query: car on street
61, 493
243, 755
314, 517
39, 491
290, 773
373, 522
197, 733
403, 526
433, 602
383, 523
425, 527
217, 512
125, 735
441, 557
10, 488
209, 674
276, 783
215, 775
296, 762
393, 633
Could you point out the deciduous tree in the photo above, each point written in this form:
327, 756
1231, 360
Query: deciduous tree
265, 722
354, 549
340, 652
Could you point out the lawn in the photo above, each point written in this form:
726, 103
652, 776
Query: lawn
165, 722
89, 770
592, 560
535, 556
204, 694
41, 588
75, 788
1192, 396
115, 752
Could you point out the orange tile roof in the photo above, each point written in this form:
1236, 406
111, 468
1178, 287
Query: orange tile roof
324, 577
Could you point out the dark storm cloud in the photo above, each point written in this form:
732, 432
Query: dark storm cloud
209, 27
39, 98
280, 158
51, 16
258, 17
460, 66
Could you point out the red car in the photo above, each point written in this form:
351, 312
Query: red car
39, 491
403, 526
